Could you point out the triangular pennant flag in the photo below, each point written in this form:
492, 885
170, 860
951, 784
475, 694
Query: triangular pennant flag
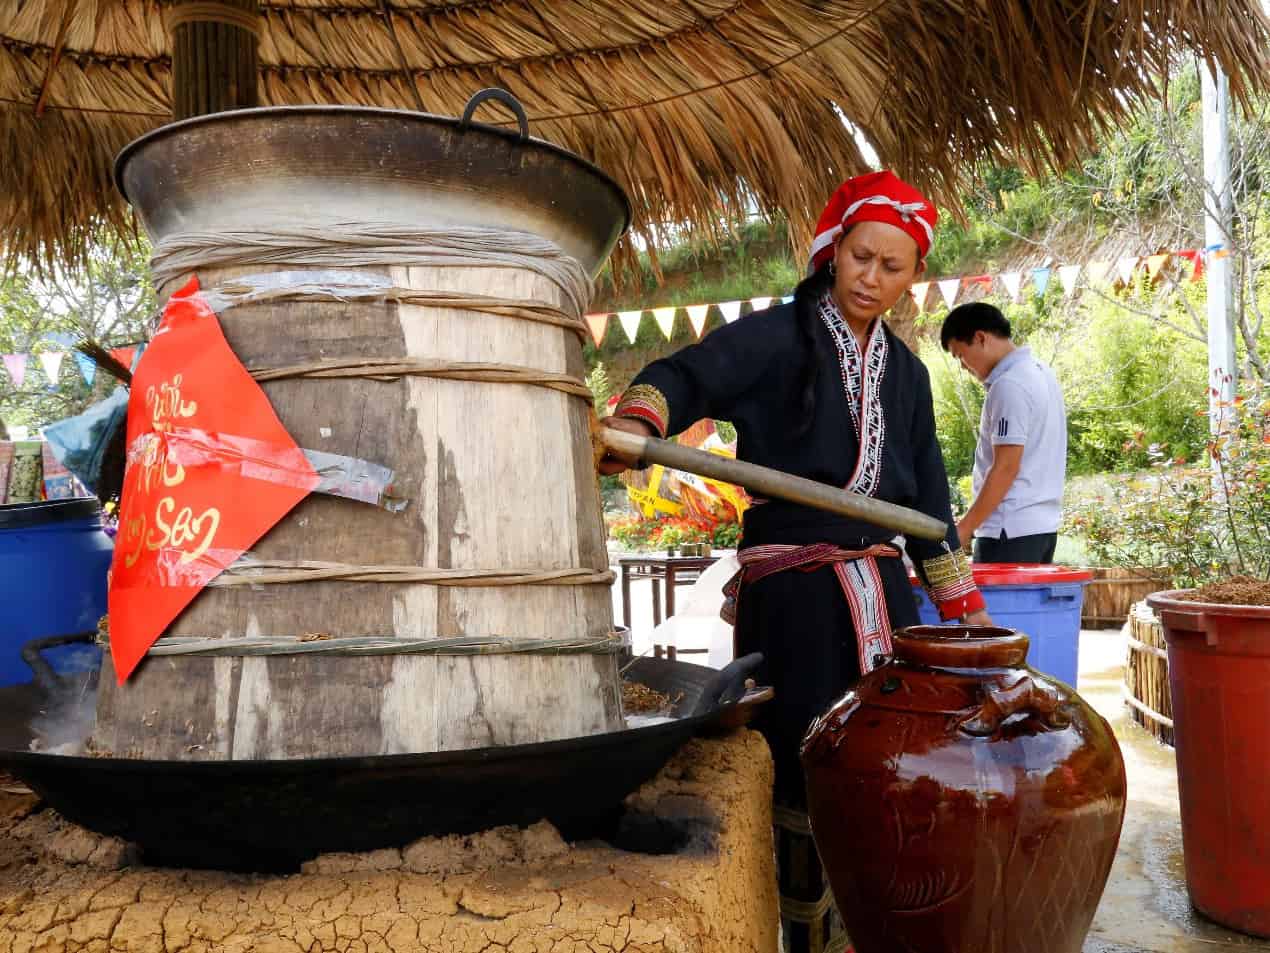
731, 310
697, 317
630, 323
983, 282
1040, 280
758, 304
51, 361
1196, 258
597, 324
920, 290
15, 364
1013, 281
1155, 263
949, 288
665, 318
211, 470
1125, 268
87, 369
1096, 272
1069, 275
124, 355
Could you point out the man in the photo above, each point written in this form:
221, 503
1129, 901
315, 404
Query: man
1021, 458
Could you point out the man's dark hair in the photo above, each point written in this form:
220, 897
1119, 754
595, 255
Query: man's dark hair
965, 320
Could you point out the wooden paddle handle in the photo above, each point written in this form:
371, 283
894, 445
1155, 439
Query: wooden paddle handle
768, 482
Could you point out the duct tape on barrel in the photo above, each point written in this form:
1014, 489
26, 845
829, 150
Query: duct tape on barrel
338, 475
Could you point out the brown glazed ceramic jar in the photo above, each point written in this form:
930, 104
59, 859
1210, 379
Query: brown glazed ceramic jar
963, 802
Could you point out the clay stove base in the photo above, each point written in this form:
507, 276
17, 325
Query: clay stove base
711, 888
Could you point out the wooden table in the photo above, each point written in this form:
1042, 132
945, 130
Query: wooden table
674, 571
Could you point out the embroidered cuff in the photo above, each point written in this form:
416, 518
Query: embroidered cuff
645, 402
951, 585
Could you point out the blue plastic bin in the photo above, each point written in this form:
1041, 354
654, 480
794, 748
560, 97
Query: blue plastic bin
1041, 601
54, 559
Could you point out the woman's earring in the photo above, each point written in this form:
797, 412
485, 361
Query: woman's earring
833, 267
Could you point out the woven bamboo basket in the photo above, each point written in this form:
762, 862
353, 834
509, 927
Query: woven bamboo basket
1146, 674
1112, 593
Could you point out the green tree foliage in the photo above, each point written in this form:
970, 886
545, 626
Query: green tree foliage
1196, 523
110, 301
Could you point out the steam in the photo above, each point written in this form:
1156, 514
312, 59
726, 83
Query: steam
68, 715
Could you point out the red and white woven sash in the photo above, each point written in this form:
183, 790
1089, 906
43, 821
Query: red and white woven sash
857, 572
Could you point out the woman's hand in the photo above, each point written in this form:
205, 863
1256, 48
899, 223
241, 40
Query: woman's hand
613, 461
979, 617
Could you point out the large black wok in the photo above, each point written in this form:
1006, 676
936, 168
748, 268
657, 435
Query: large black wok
271, 815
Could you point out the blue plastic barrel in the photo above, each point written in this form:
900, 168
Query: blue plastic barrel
1041, 601
54, 559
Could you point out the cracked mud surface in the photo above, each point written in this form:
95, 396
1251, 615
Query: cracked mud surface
501, 891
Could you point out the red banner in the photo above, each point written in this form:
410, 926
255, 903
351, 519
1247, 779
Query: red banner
185, 516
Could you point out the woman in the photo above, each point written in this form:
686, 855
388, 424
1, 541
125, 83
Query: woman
821, 388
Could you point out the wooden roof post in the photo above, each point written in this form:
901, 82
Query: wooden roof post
214, 62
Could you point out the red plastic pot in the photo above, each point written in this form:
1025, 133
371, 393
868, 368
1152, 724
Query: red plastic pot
1219, 676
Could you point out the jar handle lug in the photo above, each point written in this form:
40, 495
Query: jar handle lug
1023, 695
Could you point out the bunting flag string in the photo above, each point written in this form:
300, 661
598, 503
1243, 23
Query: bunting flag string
665, 318
1040, 280
15, 364
51, 361
1096, 274
597, 324
1155, 263
983, 282
87, 369
1125, 268
630, 323
1013, 281
697, 317
126, 356
1068, 275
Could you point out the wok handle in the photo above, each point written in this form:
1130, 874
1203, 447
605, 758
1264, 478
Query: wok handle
775, 483
504, 97
45, 677
727, 686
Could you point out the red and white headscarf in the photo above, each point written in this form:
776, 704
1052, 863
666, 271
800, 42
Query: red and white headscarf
876, 197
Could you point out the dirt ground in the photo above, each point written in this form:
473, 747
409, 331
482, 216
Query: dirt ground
502, 891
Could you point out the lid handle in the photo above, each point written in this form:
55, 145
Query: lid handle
502, 96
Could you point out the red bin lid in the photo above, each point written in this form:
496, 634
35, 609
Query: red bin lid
1023, 574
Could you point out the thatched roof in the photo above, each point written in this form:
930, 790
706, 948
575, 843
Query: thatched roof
694, 106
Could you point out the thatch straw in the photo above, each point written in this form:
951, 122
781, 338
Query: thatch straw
695, 106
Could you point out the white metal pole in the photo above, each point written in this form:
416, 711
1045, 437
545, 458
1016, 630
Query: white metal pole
1217, 223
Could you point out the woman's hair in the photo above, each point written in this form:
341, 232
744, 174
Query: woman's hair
806, 313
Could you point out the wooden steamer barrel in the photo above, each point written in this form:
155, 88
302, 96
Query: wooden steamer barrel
1113, 592
498, 475
1146, 674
